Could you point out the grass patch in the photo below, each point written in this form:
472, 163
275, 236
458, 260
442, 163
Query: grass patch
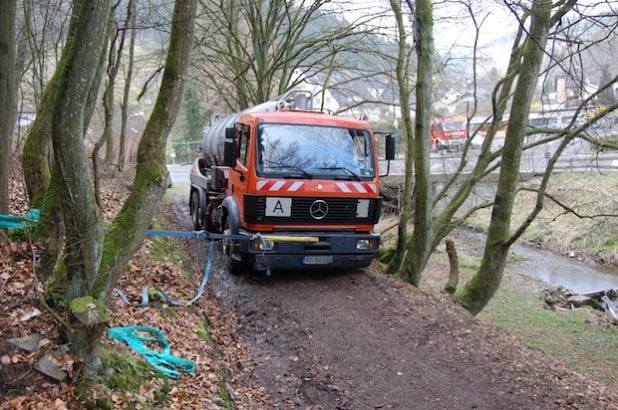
165, 248
124, 374
225, 399
588, 228
575, 338
204, 334
469, 263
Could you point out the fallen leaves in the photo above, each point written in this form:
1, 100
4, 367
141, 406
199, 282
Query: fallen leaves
187, 329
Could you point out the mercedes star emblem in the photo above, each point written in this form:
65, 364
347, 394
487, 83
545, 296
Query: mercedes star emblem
318, 209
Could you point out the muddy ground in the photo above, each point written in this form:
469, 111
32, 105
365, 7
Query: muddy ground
364, 340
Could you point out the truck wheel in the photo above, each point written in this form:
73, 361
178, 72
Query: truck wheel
196, 212
234, 260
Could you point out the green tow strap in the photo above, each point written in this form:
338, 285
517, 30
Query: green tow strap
164, 361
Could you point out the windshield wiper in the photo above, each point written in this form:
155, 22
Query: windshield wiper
353, 174
280, 165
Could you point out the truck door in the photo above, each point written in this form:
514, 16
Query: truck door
239, 176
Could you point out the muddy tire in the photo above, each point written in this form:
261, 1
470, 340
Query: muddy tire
196, 212
234, 261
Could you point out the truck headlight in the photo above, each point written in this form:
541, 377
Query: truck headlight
261, 244
366, 244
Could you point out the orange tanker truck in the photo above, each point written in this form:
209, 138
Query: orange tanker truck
289, 187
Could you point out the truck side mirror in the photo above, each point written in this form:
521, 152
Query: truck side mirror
389, 142
229, 147
229, 153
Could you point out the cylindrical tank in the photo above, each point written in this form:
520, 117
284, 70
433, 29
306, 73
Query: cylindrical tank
214, 136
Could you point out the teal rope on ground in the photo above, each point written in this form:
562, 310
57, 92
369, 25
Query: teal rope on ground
164, 361
20, 222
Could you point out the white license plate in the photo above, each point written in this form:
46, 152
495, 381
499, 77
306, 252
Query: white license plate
317, 260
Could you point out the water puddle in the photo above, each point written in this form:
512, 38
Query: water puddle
562, 271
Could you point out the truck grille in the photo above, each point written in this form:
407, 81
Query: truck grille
340, 211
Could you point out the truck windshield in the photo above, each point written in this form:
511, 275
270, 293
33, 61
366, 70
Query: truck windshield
311, 151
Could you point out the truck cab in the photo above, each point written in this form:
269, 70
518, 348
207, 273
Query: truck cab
296, 189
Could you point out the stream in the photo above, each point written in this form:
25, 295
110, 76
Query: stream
562, 271
553, 269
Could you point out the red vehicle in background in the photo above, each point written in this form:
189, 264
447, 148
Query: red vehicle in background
448, 133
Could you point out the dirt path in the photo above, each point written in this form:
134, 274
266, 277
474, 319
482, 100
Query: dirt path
363, 340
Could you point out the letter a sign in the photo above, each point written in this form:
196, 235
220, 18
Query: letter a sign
278, 207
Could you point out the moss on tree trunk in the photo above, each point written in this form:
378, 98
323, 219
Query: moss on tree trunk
403, 83
479, 291
420, 246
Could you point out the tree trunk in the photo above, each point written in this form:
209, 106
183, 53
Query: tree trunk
40, 170
8, 99
91, 263
77, 272
480, 289
129, 22
403, 83
128, 229
419, 248
453, 274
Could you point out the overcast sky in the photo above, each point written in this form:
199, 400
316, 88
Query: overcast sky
453, 27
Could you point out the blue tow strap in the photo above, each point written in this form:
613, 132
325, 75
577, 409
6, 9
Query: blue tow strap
169, 299
30, 219
163, 361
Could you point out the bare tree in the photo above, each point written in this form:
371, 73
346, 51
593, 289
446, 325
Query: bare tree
519, 138
90, 262
42, 32
250, 51
403, 73
7, 95
480, 289
130, 24
515, 91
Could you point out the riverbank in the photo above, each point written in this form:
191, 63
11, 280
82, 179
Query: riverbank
584, 235
583, 339
579, 218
